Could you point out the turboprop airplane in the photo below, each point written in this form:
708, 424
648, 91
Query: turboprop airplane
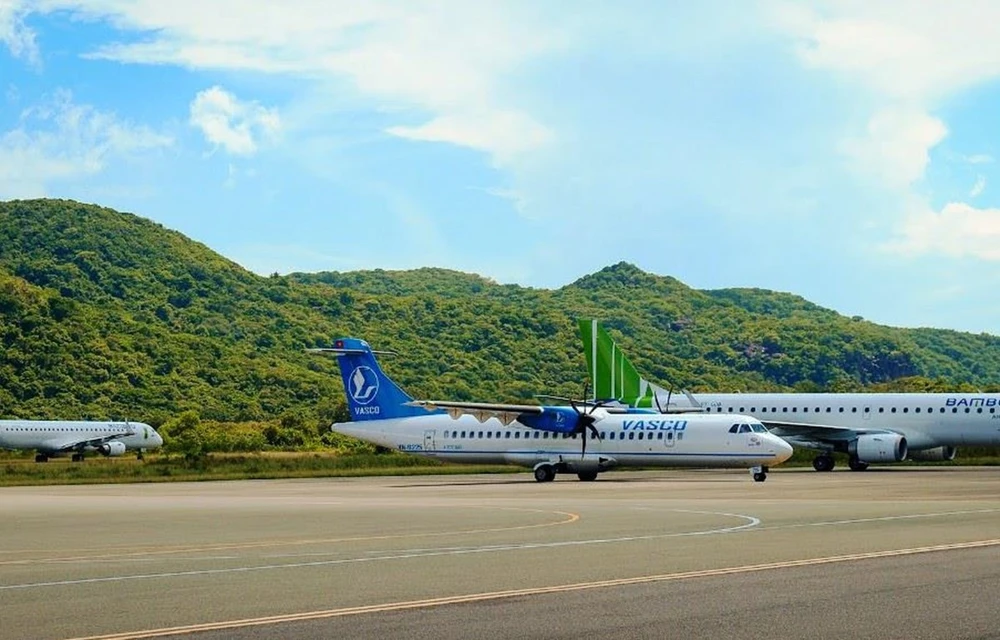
547, 439
868, 427
59, 437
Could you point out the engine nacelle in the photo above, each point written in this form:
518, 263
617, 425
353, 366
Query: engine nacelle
936, 454
879, 447
113, 448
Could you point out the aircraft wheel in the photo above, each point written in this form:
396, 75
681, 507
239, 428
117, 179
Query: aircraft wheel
77, 457
759, 477
856, 465
545, 473
823, 463
41, 457
587, 476
139, 455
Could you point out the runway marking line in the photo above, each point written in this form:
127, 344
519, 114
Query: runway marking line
514, 593
569, 519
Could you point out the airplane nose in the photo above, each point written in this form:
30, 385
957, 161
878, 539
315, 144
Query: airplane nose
783, 450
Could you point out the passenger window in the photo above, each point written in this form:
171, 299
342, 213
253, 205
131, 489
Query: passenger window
894, 409
753, 409
881, 409
631, 435
537, 435
795, 409
659, 435
906, 409
917, 410
979, 410
506, 435
517, 435
967, 409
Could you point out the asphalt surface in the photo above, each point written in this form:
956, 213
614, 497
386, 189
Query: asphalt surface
899, 553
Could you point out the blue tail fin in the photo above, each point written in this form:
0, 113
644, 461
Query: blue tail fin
371, 395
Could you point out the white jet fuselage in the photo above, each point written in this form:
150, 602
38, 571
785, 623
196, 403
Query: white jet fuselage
925, 419
55, 436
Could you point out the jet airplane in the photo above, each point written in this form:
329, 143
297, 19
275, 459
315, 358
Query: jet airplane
60, 437
868, 427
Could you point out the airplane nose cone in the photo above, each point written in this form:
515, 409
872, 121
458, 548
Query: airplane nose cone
782, 450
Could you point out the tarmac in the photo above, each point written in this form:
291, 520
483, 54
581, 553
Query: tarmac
887, 553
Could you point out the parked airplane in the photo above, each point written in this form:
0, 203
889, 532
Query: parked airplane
547, 439
59, 437
869, 427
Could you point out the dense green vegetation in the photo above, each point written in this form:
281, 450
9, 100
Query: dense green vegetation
108, 315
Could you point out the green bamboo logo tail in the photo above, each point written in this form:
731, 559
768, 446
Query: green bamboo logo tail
611, 374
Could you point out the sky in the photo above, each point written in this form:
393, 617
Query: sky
842, 150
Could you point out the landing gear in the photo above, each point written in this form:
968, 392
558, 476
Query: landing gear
545, 473
77, 457
587, 476
759, 473
855, 464
41, 457
823, 462
139, 456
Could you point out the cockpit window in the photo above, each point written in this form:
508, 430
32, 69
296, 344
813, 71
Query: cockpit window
735, 428
744, 428
758, 428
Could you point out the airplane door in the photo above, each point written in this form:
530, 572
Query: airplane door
429, 441
669, 439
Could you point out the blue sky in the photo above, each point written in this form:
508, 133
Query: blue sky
842, 150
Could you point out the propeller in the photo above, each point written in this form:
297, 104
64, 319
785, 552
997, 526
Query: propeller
585, 420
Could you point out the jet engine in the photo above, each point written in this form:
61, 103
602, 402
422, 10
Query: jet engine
935, 454
879, 447
113, 448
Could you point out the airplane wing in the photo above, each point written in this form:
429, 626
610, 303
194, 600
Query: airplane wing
482, 411
816, 432
70, 444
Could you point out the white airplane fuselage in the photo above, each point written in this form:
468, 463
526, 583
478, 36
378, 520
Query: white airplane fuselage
630, 440
926, 419
52, 437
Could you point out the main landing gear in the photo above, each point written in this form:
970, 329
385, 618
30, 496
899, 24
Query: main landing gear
855, 464
823, 462
547, 473
77, 457
41, 457
759, 473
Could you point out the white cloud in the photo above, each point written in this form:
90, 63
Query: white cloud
62, 140
505, 134
18, 38
896, 145
233, 124
903, 57
979, 158
905, 49
448, 60
958, 230
979, 187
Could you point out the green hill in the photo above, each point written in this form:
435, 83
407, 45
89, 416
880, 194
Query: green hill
108, 314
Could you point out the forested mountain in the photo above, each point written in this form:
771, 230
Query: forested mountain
106, 314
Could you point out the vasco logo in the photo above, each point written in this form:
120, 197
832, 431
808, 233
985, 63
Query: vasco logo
364, 385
